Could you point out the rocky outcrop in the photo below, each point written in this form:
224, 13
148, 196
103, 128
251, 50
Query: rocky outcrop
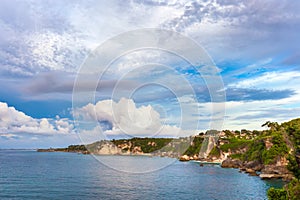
108, 149
278, 170
275, 171
254, 165
268, 144
137, 150
251, 172
184, 158
231, 163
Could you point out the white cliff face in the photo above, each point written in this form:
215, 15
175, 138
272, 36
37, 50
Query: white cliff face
224, 156
207, 145
109, 149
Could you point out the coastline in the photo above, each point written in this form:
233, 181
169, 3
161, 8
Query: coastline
252, 170
269, 154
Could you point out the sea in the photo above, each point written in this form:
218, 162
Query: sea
27, 174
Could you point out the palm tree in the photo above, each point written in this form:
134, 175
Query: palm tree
274, 126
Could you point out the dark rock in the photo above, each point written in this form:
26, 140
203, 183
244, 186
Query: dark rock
229, 163
251, 172
242, 169
254, 165
269, 176
184, 158
273, 171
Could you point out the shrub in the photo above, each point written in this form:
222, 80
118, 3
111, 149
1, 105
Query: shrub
277, 194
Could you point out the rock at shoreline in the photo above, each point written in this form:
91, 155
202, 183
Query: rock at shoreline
184, 158
251, 172
230, 163
269, 176
254, 165
274, 171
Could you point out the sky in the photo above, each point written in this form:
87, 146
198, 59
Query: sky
56, 90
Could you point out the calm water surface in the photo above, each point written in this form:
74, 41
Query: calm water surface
33, 175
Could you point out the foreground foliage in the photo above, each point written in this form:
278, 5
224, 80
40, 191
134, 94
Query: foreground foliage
291, 191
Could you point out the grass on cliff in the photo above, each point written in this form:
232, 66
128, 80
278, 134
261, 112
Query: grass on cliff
195, 147
215, 152
147, 145
235, 144
76, 148
279, 149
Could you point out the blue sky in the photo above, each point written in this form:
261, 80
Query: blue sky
254, 45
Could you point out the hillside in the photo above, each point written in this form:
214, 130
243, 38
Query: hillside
273, 152
171, 147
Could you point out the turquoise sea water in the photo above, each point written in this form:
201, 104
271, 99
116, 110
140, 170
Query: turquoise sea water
33, 175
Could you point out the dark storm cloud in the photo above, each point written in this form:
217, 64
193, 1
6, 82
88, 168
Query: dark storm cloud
59, 82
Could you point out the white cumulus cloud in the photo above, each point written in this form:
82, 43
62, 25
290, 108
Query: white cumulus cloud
13, 121
126, 118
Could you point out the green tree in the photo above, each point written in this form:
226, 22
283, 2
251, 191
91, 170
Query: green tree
293, 190
293, 166
277, 194
272, 125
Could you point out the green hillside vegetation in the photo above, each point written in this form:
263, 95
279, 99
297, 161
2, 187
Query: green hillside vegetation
287, 134
77, 148
255, 149
267, 147
279, 149
148, 145
93, 147
235, 144
195, 147
215, 152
